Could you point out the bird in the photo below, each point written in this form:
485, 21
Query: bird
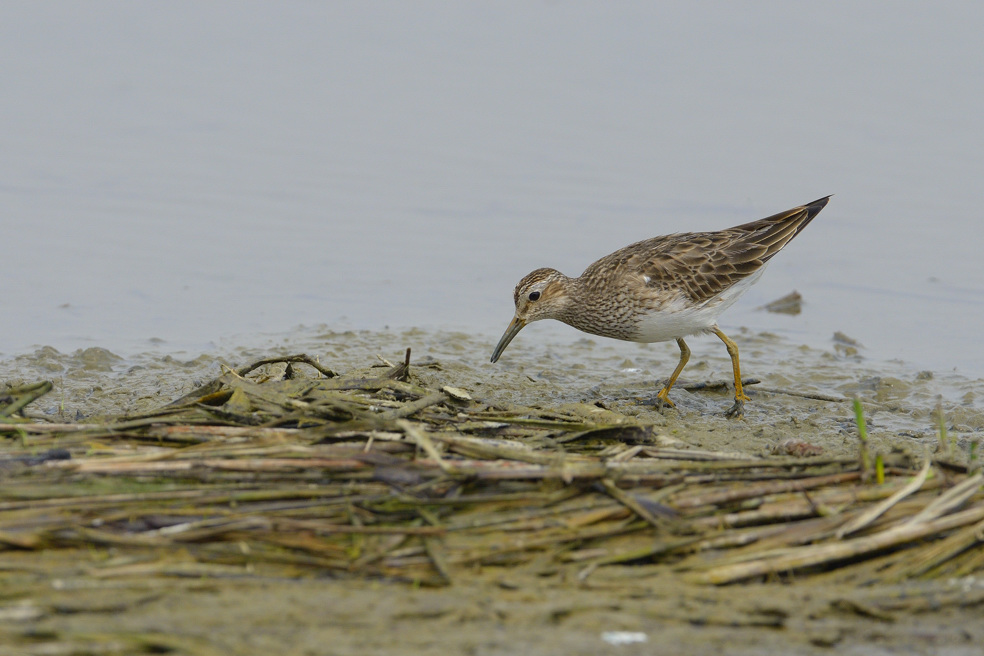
661, 289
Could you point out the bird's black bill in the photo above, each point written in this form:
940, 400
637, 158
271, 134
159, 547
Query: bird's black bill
514, 327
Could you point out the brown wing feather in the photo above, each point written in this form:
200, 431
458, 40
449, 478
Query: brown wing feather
703, 264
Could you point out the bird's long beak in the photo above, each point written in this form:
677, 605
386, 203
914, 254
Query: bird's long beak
514, 327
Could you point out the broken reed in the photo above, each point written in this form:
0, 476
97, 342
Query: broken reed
374, 474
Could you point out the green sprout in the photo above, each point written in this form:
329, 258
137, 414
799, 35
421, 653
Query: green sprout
863, 436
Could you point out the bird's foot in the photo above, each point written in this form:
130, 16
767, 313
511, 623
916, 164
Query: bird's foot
737, 411
662, 400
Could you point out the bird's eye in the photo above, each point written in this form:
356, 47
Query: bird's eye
534, 296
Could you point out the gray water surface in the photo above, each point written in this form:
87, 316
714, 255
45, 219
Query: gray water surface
179, 175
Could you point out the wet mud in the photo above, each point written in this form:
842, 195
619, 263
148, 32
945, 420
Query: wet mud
801, 407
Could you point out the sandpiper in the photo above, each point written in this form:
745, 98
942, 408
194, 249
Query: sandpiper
662, 288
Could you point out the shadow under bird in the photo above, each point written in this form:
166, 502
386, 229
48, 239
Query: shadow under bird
662, 288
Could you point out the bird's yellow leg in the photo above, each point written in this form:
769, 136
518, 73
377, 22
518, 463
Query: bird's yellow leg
663, 396
738, 409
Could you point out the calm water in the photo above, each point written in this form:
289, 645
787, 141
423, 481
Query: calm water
176, 175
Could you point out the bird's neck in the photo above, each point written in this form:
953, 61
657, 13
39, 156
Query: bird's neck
592, 311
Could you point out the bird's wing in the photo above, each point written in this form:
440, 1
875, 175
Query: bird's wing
701, 265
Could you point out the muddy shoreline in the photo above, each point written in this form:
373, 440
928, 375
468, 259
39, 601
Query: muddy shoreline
54, 606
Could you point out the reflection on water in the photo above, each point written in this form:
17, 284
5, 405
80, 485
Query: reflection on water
182, 172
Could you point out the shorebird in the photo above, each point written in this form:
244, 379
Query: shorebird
662, 288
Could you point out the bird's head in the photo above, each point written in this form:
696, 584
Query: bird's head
542, 294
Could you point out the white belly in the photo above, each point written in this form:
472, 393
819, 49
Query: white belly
679, 319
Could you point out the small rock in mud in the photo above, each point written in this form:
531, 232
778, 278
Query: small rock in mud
791, 303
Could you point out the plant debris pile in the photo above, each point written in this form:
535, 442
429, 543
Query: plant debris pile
284, 468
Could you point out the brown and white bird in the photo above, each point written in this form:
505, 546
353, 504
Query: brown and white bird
662, 288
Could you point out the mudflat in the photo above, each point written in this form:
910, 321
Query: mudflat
344, 503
